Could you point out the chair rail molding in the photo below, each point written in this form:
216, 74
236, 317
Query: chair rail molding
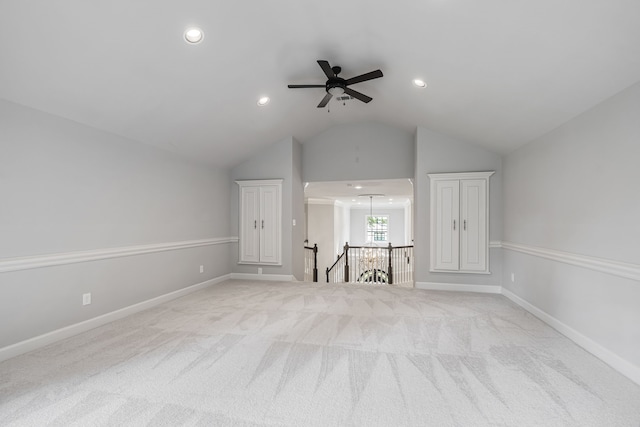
50, 260
616, 268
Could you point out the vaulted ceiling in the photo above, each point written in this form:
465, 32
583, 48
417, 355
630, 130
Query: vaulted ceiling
499, 72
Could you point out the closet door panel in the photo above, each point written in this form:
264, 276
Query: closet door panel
260, 222
447, 225
249, 218
270, 224
459, 219
473, 211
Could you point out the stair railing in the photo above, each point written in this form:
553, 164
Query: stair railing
311, 263
339, 271
372, 264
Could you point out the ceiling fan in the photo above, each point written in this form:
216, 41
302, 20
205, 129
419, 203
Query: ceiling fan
337, 86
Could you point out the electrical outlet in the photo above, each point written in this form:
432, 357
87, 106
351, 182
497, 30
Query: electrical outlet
202, 269
513, 277
294, 222
86, 299
259, 270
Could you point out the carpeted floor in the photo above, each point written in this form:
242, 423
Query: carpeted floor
257, 353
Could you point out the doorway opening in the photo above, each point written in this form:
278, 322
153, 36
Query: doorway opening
361, 238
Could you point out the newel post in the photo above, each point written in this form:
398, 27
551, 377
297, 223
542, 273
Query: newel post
315, 262
346, 262
390, 268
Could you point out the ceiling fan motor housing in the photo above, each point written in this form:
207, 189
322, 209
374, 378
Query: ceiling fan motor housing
336, 82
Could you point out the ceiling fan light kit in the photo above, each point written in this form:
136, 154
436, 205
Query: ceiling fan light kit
336, 91
337, 86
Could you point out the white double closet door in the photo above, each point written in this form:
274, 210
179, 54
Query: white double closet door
459, 224
260, 223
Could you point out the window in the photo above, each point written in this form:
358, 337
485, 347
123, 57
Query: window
377, 228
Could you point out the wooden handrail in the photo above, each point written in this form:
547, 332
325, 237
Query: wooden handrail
391, 261
334, 264
380, 247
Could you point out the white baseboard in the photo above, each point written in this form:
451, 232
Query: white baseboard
621, 365
626, 368
458, 287
71, 330
267, 277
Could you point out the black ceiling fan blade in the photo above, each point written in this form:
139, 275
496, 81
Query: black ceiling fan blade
325, 100
326, 68
357, 95
364, 77
303, 86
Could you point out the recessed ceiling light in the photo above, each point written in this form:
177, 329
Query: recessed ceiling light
193, 35
353, 200
263, 101
419, 83
358, 187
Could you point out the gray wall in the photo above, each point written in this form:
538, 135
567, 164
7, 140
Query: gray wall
321, 219
377, 151
281, 160
358, 226
297, 199
359, 151
66, 187
342, 227
576, 190
438, 153
408, 223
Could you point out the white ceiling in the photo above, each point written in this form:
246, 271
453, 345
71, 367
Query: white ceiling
389, 193
500, 72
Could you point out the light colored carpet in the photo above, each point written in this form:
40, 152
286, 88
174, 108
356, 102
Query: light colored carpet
246, 354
